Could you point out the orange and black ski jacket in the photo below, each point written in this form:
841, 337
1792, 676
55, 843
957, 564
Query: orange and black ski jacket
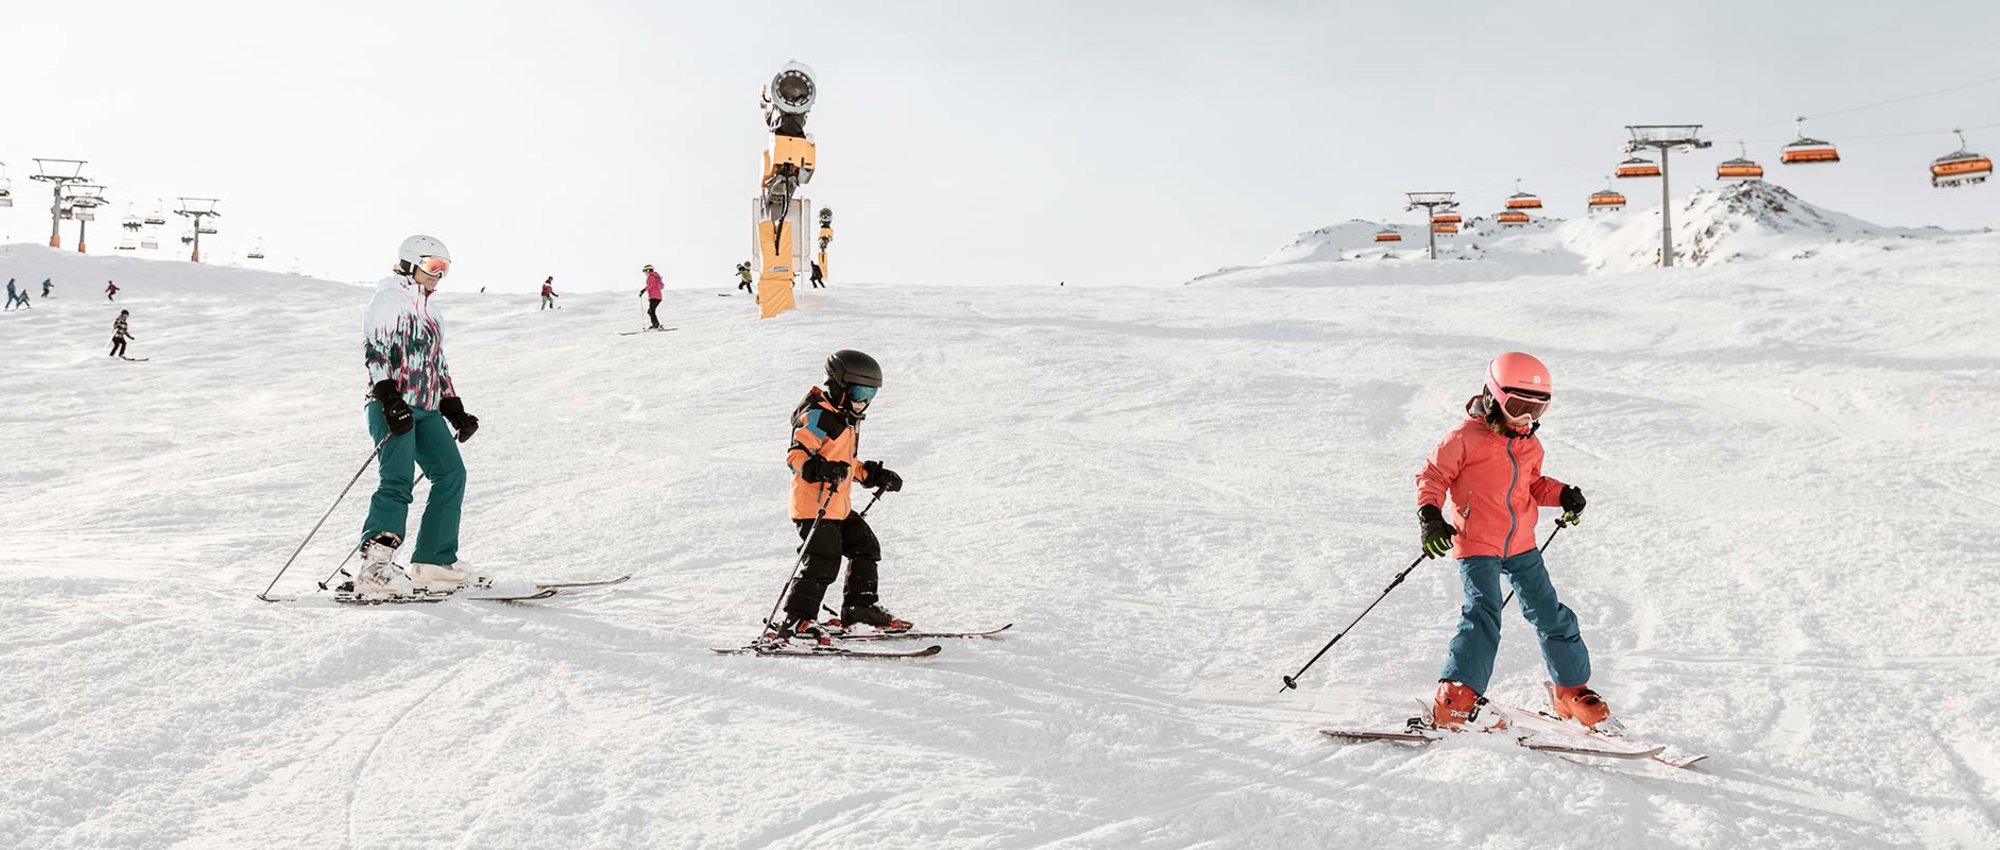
820, 430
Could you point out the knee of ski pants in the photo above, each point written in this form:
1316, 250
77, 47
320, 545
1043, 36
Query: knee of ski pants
858, 541
822, 549
1481, 579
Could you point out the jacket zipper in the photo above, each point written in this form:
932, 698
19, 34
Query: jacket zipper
1513, 521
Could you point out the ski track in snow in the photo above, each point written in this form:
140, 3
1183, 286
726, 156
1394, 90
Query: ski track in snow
1178, 494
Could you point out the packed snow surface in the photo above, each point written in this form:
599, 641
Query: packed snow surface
1177, 493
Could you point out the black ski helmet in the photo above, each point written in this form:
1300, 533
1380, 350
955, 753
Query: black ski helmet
850, 368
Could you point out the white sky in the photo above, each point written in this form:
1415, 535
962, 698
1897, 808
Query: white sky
1017, 142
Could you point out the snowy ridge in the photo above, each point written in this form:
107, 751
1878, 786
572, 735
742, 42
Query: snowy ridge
1739, 221
1177, 494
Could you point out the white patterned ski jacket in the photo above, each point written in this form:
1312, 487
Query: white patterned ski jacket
404, 340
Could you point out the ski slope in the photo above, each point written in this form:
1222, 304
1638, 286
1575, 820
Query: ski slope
1178, 493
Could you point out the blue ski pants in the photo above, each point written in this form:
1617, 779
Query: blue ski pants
431, 446
1478, 639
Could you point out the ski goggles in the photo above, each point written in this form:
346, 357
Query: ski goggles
433, 265
862, 395
1523, 404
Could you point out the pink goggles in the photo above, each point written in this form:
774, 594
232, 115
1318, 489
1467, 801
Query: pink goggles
1522, 404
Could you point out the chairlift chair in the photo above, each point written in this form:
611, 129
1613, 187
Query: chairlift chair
1606, 200
1807, 150
1740, 168
1388, 235
1523, 200
1638, 166
1444, 229
1513, 218
1960, 167
1446, 218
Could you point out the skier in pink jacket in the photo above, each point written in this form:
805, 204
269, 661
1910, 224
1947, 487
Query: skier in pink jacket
654, 291
1491, 468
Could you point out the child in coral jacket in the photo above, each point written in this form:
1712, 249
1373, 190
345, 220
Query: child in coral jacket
1491, 467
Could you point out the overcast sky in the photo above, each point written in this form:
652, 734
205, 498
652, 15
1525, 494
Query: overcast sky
1007, 142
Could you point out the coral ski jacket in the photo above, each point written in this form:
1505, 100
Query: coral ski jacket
821, 430
1496, 485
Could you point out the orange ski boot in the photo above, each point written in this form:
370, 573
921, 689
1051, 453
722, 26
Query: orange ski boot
1579, 703
1456, 705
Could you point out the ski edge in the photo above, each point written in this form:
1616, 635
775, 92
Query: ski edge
565, 585
916, 635
830, 652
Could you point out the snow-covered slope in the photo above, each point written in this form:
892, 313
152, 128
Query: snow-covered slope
1738, 221
1177, 494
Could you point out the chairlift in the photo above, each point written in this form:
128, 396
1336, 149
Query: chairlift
1960, 167
6, 187
1444, 229
1638, 166
1522, 200
132, 222
205, 230
1388, 235
1740, 168
1606, 200
158, 216
187, 237
1808, 150
257, 253
1513, 218
150, 241
1446, 218
128, 244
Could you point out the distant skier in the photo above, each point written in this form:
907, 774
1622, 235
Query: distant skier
1491, 466
743, 278
110, 291
549, 295
24, 299
47, 288
823, 463
818, 279
413, 399
12, 296
120, 333
654, 291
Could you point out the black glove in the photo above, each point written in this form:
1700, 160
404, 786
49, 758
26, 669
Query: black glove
882, 476
395, 411
1572, 502
464, 423
819, 470
1437, 532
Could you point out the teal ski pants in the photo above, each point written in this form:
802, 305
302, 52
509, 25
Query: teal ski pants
431, 446
1478, 637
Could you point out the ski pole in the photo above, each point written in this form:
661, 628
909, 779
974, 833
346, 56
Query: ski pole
323, 518
1560, 525
1292, 680
810, 532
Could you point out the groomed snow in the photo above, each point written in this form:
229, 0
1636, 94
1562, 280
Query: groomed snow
1177, 493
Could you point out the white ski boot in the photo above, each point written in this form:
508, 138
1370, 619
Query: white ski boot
379, 576
445, 578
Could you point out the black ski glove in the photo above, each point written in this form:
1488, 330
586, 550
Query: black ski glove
819, 470
1437, 532
464, 423
395, 411
882, 476
1572, 503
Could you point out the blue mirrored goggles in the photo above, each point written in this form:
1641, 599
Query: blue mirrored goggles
862, 395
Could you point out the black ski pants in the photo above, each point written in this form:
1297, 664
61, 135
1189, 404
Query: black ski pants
118, 346
653, 310
850, 537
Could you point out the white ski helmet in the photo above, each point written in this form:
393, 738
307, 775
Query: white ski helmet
415, 248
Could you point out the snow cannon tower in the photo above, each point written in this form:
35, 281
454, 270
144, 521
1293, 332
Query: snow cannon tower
780, 217
825, 236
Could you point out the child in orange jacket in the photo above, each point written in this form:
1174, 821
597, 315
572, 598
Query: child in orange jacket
1491, 467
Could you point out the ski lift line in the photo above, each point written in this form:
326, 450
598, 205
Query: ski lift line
1844, 138
1866, 106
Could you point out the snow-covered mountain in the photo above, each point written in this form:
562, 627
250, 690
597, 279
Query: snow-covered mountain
1177, 494
1739, 221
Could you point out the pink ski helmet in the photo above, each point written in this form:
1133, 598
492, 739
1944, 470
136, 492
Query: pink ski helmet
1520, 386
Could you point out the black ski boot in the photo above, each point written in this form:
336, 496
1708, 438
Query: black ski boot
872, 614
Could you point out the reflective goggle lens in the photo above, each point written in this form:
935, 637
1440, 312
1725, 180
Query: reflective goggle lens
1517, 406
861, 395
433, 266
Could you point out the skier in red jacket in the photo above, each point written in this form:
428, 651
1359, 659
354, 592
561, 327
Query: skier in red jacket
1491, 467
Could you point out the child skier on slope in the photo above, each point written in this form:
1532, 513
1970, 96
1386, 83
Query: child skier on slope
1491, 466
413, 397
823, 462
549, 295
120, 333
